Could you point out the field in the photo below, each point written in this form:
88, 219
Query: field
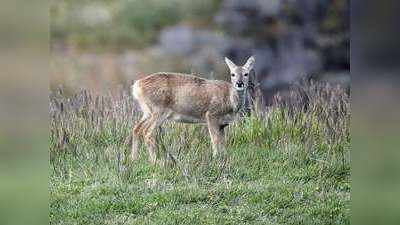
287, 164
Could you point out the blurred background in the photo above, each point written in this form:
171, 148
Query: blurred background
80, 46
102, 45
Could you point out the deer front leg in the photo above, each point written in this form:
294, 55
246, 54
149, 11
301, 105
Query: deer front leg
216, 134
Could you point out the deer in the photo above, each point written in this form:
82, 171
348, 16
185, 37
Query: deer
185, 98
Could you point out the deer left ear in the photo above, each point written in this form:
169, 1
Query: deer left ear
250, 63
230, 64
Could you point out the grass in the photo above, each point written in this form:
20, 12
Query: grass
288, 165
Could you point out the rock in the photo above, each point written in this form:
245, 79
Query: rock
177, 40
239, 17
200, 50
182, 40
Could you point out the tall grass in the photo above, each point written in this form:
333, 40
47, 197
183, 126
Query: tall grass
312, 124
302, 138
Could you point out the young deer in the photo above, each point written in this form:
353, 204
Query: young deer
188, 99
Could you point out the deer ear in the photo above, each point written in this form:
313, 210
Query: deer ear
250, 63
230, 64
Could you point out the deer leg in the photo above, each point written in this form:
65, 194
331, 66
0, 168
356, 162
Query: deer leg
150, 134
216, 134
136, 133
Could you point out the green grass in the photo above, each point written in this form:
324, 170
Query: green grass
281, 168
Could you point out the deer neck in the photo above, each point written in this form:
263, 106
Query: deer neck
237, 99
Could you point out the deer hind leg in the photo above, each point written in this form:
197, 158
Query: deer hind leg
136, 134
137, 131
216, 134
150, 134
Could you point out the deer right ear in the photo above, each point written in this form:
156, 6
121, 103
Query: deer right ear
230, 64
249, 64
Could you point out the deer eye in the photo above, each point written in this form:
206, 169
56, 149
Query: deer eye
232, 74
246, 74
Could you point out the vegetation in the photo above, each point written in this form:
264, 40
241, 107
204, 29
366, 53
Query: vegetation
288, 165
118, 24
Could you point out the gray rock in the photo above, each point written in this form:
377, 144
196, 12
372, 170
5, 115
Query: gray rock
177, 40
238, 16
183, 40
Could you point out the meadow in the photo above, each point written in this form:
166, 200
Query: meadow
286, 164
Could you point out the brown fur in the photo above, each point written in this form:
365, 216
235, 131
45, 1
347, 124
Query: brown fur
185, 98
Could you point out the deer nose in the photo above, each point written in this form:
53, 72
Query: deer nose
240, 84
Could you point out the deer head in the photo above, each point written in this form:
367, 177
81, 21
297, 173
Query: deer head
240, 74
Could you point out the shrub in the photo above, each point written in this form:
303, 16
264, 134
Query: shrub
134, 23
